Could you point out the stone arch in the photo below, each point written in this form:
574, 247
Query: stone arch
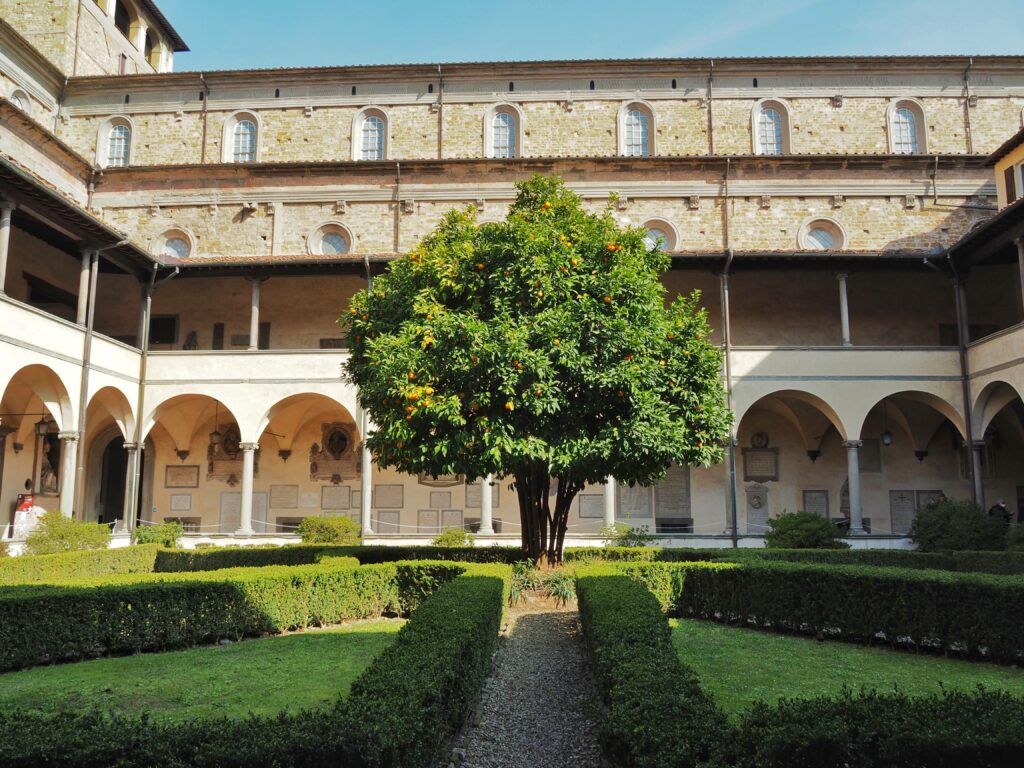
995, 396
796, 396
189, 413
292, 412
44, 383
112, 402
934, 401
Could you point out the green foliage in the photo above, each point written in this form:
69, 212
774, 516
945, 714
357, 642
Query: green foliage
329, 530
976, 615
560, 586
892, 558
537, 347
803, 530
127, 614
72, 566
404, 707
623, 535
874, 730
1015, 539
1006, 563
453, 537
656, 713
951, 525
57, 533
526, 577
166, 535
3, 549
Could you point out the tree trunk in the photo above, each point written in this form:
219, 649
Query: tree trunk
543, 528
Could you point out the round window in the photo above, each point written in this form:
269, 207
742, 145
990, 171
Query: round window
822, 235
177, 247
333, 244
655, 239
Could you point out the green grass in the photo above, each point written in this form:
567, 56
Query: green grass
263, 676
739, 666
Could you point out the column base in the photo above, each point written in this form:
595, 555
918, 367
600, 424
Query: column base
485, 532
244, 533
857, 532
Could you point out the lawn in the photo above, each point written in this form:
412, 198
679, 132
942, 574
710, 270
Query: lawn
739, 666
262, 676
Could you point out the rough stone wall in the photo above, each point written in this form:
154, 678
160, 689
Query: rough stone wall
49, 25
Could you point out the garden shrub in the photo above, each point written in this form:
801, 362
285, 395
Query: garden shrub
624, 535
950, 525
57, 533
1015, 539
3, 549
872, 730
642, 554
329, 530
72, 566
131, 613
889, 558
977, 615
1006, 563
803, 530
453, 537
656, 713
165, 534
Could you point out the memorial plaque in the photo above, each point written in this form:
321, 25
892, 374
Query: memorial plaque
181, 502
386, 521
473, 495
672, 495
869, 455
335, 497
389, 496
309, 500
284, 497
181, 476
760, 465
902, 508
924, 498
428, 521
591, 506
440, 499
441, 481
260, 502
634, 502
816, 502
451, 518
230, 511
758, 510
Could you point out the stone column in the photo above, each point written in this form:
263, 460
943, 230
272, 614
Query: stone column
248, 462
609, 502
83, 288
844, 309
254, 316
68, 460
853, 470
977, 472
127, 523
366, 488
6, 209
486, 503
1020, 270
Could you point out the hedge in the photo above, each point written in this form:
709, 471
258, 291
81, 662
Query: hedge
656, 713
871, 730
127, 614
1007, 563
977, 615
888, 558
407, 703
85, 564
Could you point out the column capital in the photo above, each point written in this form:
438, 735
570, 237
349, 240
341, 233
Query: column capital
978, 445
852, 445
257, 279
842, 275
69, 436
7, 205
249, 446
131, 447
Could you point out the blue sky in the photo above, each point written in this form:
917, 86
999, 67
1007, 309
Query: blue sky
226, 34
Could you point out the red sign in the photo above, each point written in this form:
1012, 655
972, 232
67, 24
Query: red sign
25, 502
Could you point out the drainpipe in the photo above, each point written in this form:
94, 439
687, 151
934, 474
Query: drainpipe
398, 212
732, 508
711, 109
366, 458
206, 107
147, 310
963, 336
967, 106
440, 113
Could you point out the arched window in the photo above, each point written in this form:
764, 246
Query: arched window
771, 128
504, 138
241, 141
20, 99
661, 235
822, 235
152, 50
636, 130
370, 137
114, 143
244, 148
175, 243
906, 128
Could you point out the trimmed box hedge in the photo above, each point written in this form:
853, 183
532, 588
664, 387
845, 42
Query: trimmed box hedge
656, 713
85, 564
977, 615
149, 612
398, 713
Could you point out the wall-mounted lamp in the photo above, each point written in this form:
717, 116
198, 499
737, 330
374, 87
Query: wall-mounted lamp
215, 436
42, 427
886, 434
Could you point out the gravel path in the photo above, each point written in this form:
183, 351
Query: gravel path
533, 710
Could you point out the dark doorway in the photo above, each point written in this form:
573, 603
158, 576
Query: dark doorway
115, 468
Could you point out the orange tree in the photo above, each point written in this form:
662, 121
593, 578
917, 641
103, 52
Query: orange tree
539, 348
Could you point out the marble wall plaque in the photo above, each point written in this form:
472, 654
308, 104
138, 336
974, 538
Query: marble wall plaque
869, 455
309, 500
473, 495
181, 476
451, 518
440, 499
428, 521
760, 465
758, 509
902, 507
816, 502
591, 506
634, 502
230, 511
284, 497
181, 502
386, 521
388, 496
672, 495
335, 497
